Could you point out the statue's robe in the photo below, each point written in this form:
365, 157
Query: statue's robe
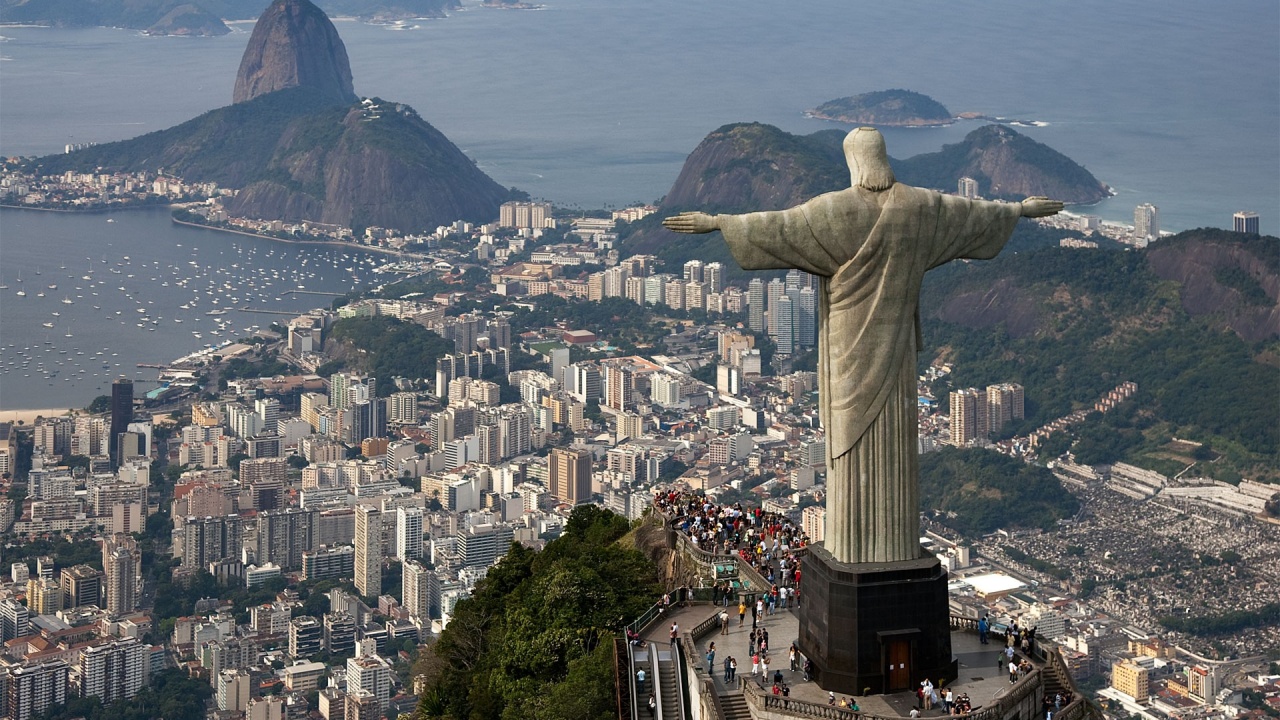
871, 250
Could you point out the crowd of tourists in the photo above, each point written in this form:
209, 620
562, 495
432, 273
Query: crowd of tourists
766, 541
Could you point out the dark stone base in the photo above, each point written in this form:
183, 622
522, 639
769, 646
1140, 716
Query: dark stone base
882, 626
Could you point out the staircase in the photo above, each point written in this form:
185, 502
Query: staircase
735, 707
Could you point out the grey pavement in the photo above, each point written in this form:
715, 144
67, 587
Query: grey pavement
978, 675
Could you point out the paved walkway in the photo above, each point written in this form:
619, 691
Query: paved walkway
978, 675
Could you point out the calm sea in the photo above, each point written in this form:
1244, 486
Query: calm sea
104, 292
591, 104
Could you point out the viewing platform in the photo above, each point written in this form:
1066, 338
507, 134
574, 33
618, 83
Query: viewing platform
690, 689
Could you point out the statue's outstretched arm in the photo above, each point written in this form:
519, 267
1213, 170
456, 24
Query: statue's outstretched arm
692, 223
1038, 206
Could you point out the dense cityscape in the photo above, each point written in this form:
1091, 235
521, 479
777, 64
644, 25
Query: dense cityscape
325, 524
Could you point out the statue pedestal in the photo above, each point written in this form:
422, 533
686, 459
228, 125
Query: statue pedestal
883, 626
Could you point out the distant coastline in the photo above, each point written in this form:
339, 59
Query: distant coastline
334, 243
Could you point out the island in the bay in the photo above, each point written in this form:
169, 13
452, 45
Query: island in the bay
886, 108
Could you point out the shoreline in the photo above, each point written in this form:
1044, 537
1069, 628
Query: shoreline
331, 243
28, 417
88, 211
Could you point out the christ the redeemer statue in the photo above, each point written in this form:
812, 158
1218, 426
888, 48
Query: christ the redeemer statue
871, 246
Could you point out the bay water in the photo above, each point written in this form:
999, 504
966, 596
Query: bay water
594, 104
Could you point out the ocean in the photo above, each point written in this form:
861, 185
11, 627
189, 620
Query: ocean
590, 104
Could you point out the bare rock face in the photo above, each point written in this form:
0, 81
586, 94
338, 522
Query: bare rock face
294, 44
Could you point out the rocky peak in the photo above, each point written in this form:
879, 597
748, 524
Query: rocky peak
294, 44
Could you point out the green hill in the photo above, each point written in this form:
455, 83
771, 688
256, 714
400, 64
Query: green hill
980, 491
299, 156
1070, 325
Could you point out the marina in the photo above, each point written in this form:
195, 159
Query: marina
141, 293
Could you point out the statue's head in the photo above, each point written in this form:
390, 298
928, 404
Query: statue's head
868, 160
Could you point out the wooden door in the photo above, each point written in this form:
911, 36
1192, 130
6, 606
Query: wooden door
899, 672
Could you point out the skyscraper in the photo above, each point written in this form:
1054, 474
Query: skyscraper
408, 533
371, 674
31, 689
121, 416
967, 188
81, 585
1004, 404
619, 387
284, 535
713, 275
968, 416
122, 563
115, 671
1245, 222
755, 305
15, 620
416, 585
368, 550
782, 318
208, 539
570, 475
1146, 222
693, 270
774, 290
807, 316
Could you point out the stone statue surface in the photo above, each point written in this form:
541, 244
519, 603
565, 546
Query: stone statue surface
870, 245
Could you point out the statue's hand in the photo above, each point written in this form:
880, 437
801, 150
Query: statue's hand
1034, 207
692, 223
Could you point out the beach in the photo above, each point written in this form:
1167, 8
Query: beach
28, 417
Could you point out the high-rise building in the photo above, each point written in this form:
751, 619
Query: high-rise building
967, 188
968, 416
371, 674
664, 389
339, 633
774, 290
209, 539
15, 620
121, 416
483, 545
114, 671
693, 270
408, 533
416, 586
233, 690
1202, 682
782, 319
655, 289
1245, 222
284, 535
713, 276
81, 585
755, 305
570, 475
44, 596
30, 689
306, 637
584, 382
265, 478
1146, 222
122, 563
619, 387
1004, 404
403, 408
368, 550
807, 316
1131, 679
